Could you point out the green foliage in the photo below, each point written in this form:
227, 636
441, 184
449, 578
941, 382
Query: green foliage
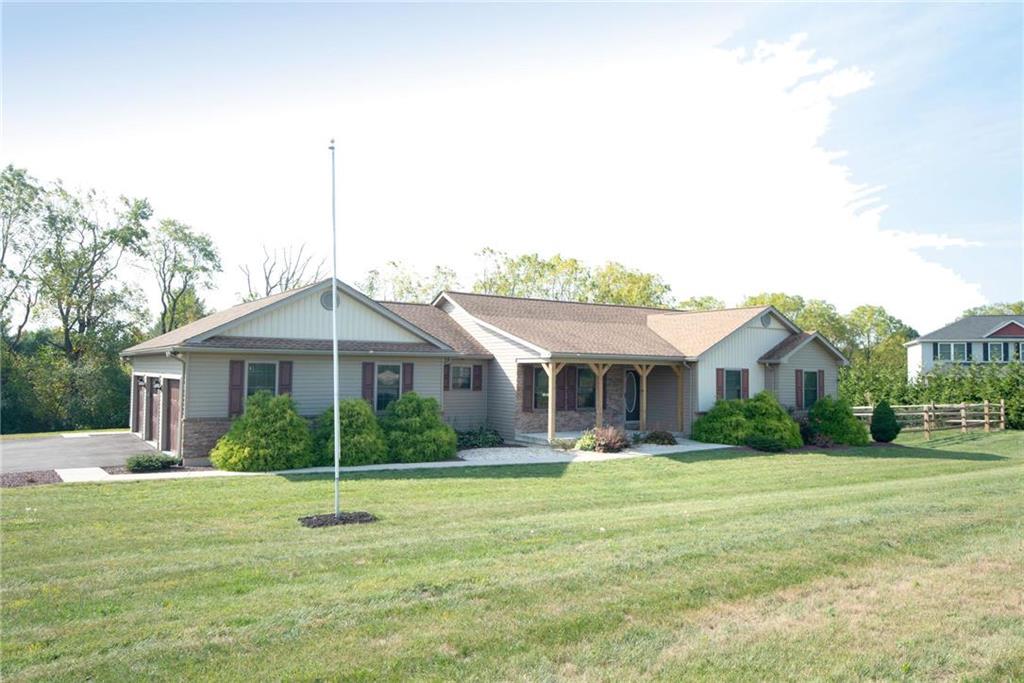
700, 303
415, 432
150, 462
614, 283
884, 427
1004, 308
658, 438
398, 282
482, 437
833, 418
362, 439
183, 262
270, 435
605, 439
769, 444
736, 422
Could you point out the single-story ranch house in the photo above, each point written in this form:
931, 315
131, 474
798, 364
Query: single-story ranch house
974, 339
488, 360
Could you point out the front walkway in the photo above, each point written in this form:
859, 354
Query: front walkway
477, 457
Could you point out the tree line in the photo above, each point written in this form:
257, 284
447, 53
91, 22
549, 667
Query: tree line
67, 309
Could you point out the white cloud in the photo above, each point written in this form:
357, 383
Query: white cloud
702, 164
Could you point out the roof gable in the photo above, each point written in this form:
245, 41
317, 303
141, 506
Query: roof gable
785, 349
971, 328
1010, 329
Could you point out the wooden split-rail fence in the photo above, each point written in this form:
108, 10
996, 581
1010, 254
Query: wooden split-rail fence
933, 417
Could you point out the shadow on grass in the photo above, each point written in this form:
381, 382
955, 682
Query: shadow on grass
531, 471
896, 451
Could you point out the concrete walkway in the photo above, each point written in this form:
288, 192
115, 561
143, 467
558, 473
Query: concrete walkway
477, 457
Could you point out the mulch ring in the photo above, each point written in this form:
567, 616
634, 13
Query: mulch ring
316, 521
13, 479
121, 469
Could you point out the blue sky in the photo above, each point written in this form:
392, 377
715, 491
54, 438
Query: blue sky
890, 173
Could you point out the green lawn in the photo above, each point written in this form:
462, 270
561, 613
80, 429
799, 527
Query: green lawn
904, 562
40, 435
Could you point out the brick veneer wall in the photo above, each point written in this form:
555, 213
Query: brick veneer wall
201, 433
574, 420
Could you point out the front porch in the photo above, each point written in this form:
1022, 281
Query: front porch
561, 398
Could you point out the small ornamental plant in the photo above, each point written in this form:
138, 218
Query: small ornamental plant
884, 426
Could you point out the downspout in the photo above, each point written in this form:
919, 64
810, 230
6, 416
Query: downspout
181, 404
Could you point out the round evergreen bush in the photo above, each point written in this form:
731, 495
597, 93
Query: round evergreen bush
362, 439
270, 435
415, 432
884, 427
833, 418
736, 422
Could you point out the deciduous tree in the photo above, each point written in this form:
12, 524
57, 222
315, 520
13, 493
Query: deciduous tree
183, 262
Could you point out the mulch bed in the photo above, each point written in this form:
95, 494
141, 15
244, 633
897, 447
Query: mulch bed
13, 479
121, 469
316, 521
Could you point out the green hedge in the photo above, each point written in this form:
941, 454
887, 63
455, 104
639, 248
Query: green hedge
415, 432
738, 422
833, 419
270, 435
362, 439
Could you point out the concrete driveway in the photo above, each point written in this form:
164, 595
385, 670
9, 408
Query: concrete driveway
58, 452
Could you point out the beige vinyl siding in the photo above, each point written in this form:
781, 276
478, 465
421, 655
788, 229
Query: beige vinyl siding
207, 380
465, 408
500, 374
812, 357
739, 350
304, 318
156, 364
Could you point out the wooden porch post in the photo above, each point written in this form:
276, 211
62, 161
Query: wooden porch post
643, 369
599, 370
552, 370
678, 369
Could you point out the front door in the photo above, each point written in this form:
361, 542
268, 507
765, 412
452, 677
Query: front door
632, 397
153, 410
173, 388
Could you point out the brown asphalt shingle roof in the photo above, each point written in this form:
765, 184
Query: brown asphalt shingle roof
563, 327
438, 324
344, 345
779, 351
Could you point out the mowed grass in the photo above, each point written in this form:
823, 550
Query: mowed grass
882, 563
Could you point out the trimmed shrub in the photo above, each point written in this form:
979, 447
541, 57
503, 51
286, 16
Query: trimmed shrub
415, 432
481, 437
833, 418
658, 438
769, 444
884, 427
736, 422
362, 439
150, 462
268, 436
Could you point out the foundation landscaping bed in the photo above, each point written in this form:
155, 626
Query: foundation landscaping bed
889, 562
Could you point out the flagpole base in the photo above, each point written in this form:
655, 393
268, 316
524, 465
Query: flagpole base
329, 519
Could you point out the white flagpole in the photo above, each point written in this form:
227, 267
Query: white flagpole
334, 341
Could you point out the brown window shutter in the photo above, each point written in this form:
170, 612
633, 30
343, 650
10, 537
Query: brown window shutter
799, 389
478, 378
368, 382
821, 383
719, 383
284, 377
559, 392
447, 377
236, 385
744, 383
571, 374
528, 388
407, 383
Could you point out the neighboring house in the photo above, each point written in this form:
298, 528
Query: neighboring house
975, 339
488, 360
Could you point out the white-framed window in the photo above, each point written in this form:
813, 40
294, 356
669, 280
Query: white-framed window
461, 377
733, 384
954, 351
260, 376
995, 352
810, 388
389, 384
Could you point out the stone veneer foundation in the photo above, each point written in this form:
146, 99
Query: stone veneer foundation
574, 420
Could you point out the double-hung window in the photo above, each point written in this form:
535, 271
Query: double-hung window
995, 352
461, 377
260, 377
733, 384
389, 384
586, 389
810, 388
954, 351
